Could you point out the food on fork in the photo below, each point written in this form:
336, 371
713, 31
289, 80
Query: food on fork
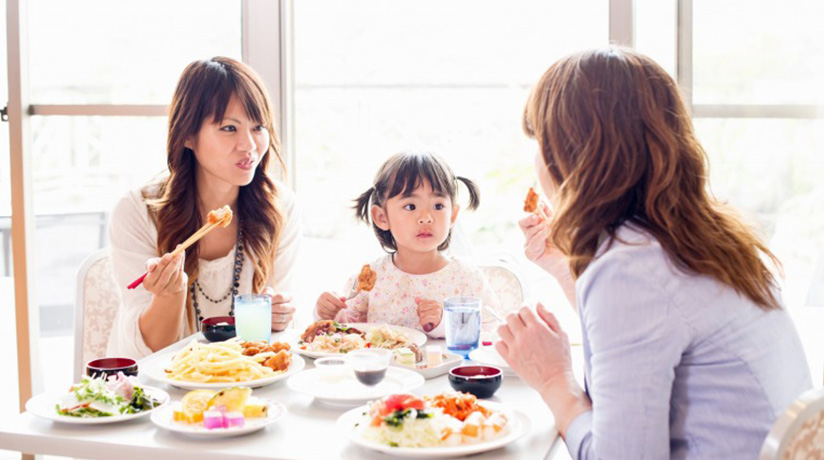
366, 278
531, 202
221, 216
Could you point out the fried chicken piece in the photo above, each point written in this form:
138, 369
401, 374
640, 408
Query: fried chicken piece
279, 362
222, 216
277, 347
531, 202
367, 278
251, 351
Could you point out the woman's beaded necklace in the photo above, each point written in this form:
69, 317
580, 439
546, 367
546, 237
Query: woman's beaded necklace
238, 267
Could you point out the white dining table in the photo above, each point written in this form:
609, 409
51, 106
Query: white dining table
307, 431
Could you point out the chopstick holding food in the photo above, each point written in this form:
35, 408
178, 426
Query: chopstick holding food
221, 217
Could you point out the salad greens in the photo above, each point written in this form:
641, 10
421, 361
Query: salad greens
100, 397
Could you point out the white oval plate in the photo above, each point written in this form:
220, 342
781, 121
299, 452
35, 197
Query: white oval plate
489, 356
43, 406
416, 337
346, 390
164, 418
518, 426
450, 360
155, 369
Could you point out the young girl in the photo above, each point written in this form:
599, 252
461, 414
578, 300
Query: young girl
413, 209
221, 145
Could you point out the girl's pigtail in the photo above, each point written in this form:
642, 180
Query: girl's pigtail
474, 193
363, 205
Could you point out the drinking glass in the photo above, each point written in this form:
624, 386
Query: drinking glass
370, 364
253, 317
463, 324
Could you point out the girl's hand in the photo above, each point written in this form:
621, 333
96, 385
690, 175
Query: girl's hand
538, 248
329, 304
430, 313
166, 275
537, 349
282, 309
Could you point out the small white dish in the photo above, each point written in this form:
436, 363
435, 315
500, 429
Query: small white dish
165, 419
519, 425
414, 336
348, 391
489, 356
43, 406
155, 369
450, 360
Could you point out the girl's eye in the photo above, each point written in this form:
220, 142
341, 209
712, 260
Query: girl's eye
439, 206
228, 128
260, 128
409, 207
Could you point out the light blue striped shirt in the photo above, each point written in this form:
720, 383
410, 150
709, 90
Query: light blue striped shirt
677, 365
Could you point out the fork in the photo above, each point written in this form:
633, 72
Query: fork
354, 291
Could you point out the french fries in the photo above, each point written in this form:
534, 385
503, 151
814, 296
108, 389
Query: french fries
218, 362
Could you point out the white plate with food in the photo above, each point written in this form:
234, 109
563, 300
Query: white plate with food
489, 356
165, 418
429, 432
345, 389
330, 338
95, 401
448, 361
223, 364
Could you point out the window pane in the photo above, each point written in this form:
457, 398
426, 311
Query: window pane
373, 79
771, 169
102, 52
81, 166
655, 31
758, 52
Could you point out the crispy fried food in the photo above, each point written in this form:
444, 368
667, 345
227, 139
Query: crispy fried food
531, 202
279, 362
366, 278
222, 217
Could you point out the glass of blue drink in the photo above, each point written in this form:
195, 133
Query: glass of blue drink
253, 317
463, 324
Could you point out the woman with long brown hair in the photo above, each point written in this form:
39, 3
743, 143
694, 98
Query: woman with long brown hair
221, 150
688, 350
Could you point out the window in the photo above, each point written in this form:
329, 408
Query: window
372, 79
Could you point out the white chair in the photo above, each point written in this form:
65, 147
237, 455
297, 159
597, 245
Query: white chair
799, 431
507, 283
98, 299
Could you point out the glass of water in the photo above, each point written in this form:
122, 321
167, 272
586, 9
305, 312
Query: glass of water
253, 317
463, 324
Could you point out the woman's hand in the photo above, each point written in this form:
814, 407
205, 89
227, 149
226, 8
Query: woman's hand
430, 313
538, 248
166, 277
537, 349
329, 304
282, 309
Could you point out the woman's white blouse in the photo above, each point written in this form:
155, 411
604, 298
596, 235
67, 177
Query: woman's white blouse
133, 238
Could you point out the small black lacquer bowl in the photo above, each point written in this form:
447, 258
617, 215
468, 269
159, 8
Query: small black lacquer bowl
105, 367
218, 328
481, 381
